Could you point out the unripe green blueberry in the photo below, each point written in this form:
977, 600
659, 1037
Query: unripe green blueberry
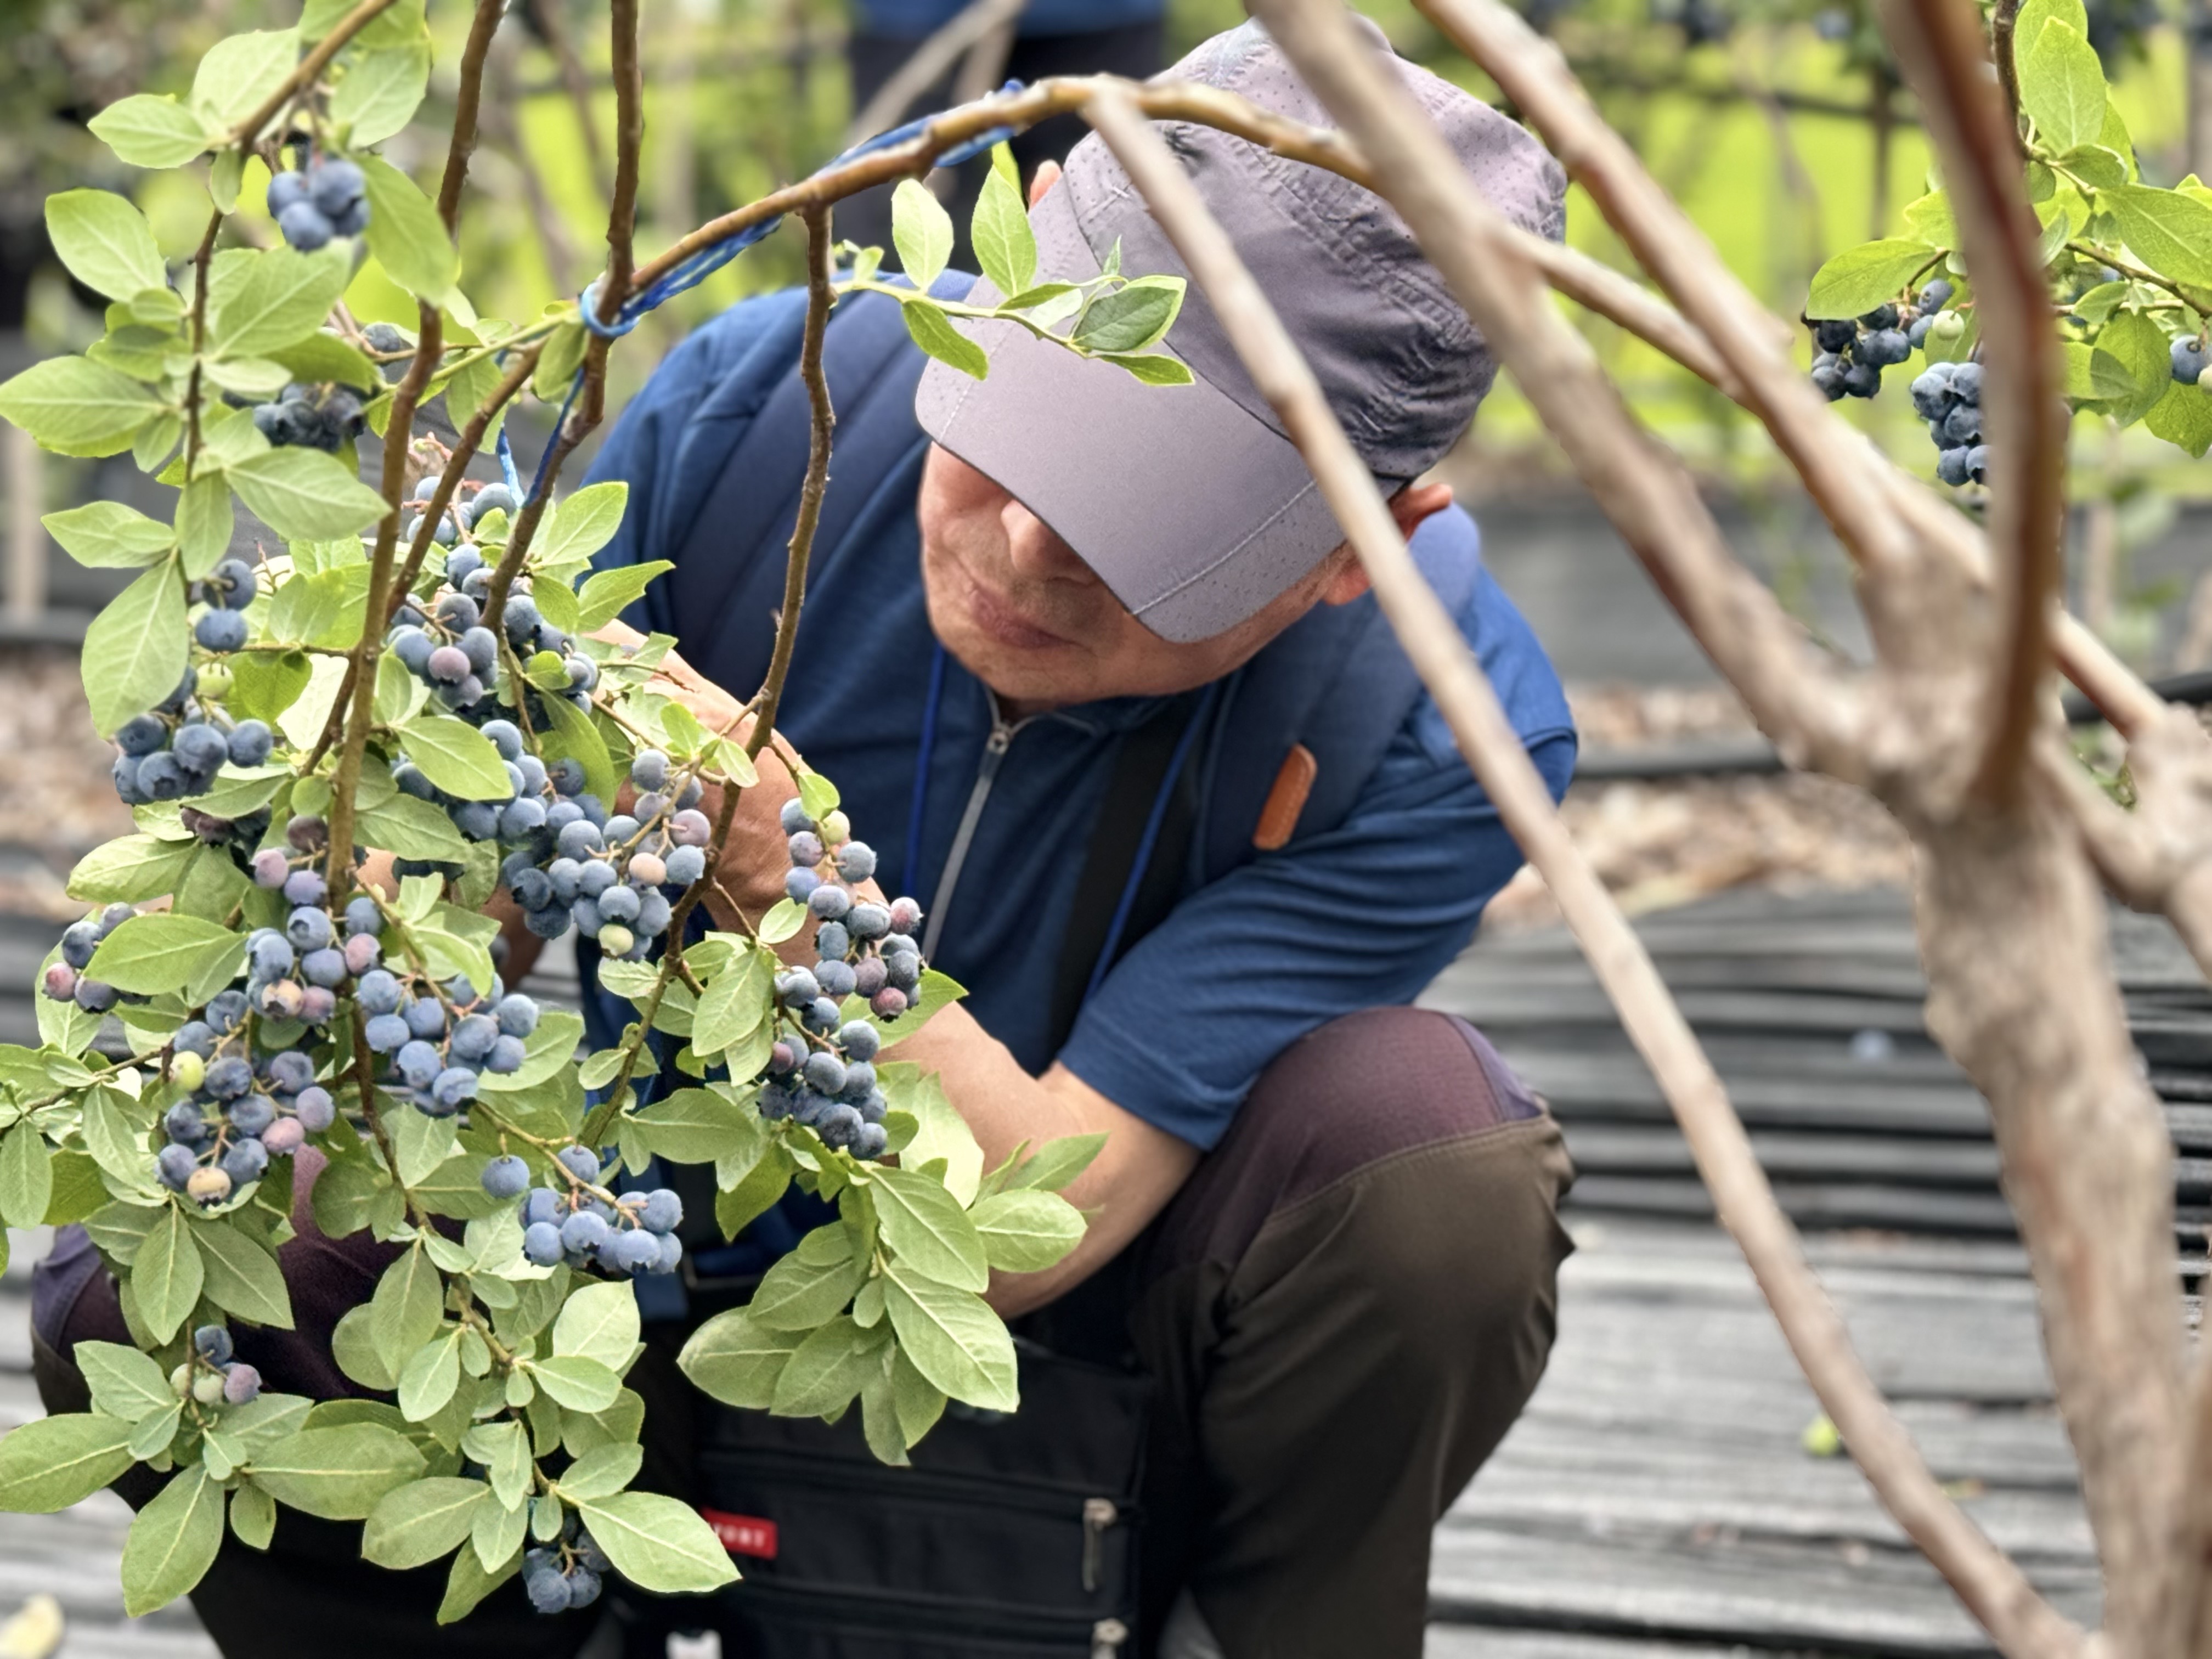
188, 1070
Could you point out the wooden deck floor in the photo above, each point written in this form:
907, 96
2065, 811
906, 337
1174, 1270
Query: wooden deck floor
1656, 1501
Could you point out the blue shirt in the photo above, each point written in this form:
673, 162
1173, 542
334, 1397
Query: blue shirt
1358, 913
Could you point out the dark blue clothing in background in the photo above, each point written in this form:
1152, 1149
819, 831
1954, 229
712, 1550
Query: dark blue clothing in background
1262, 946
911, 20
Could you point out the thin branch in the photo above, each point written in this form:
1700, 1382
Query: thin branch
203, 258
345, 780
2004, 23
926, 65
1939, 45
1985, 1579
467, 103
308, 68
819, 299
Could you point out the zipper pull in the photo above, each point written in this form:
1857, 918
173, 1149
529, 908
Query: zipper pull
1107, 1637
1098, 1514
1001, 737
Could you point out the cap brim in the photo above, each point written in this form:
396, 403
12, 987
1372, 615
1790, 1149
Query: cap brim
1194, 512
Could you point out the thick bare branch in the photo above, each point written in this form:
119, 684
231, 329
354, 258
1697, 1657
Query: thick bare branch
1812, 712
467, 103
1529, 71
1989, 1583
1938, 46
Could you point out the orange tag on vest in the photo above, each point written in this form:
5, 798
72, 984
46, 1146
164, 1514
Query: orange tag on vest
1287, 800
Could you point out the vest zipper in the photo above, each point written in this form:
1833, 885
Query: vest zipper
994, 752
1098, 1514
1107, 1637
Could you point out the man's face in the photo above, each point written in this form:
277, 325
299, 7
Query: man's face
1028, 617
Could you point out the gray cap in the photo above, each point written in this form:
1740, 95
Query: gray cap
1190, 502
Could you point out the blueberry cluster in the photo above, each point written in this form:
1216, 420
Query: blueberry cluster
1949, 397
327, 198
612, 877
244, 1102
440, 1039
447, 646
822, 1072
568, 1574
1853, 354
175, 749
296, 972
324, 417
472, 503
228, 591
587, 1225
211, 1375
64, 981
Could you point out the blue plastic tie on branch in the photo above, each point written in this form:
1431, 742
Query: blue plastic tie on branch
694, 269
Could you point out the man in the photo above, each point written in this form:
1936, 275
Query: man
1099, 681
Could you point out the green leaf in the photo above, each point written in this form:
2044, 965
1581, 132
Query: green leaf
1057, 1163
237, 74
497, 1534
953, 1338
575, 736
1860, 278
732, 1006
599, 1322
339, 1474
1152, 367
125, 1384
879, 1422
503, 1449
172, 1542
252, 1516
412, 828
737, 1360
136, 651
2062, 87
700, 1125
244, 1278
919, 1401
795, 1295
658, 1543
380, 92
152, 954
405, 233
610, 592
52, 1462
1005, 246
2183, 418
271, 300
104, 241
825, 1371
752, 1197
782, 920
457, 757
420, 1522
167, 1276
1025, 1232
76, 406
1133, 319
935, 335
926, 1228
921, 230
321, 357
604, 1472
580, 1384
468, 1584
26, 1175
2131, 365
109, 536
942, 1132
304, 495
147, 131
2169, 232
581, 525
558, 359
204, 522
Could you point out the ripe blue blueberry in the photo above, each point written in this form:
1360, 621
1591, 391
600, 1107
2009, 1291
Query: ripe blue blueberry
249, 743
227, 1077
307, 929
583, 1233
426, 1017
385, 1032
860, 1040
685, 865
648, 769
473, 1036
581, 1162
250, 1113
174, 1165
506, 1177
2187, 357
832, 903
541, 1242
315, 1108
517, 1015
798, 886
419, 1064
663, 1211
507, 1055
451, 1087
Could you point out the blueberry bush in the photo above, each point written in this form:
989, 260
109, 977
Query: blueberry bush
2129, 266
342, 741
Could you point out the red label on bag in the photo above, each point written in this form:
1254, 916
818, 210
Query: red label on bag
742, 1535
